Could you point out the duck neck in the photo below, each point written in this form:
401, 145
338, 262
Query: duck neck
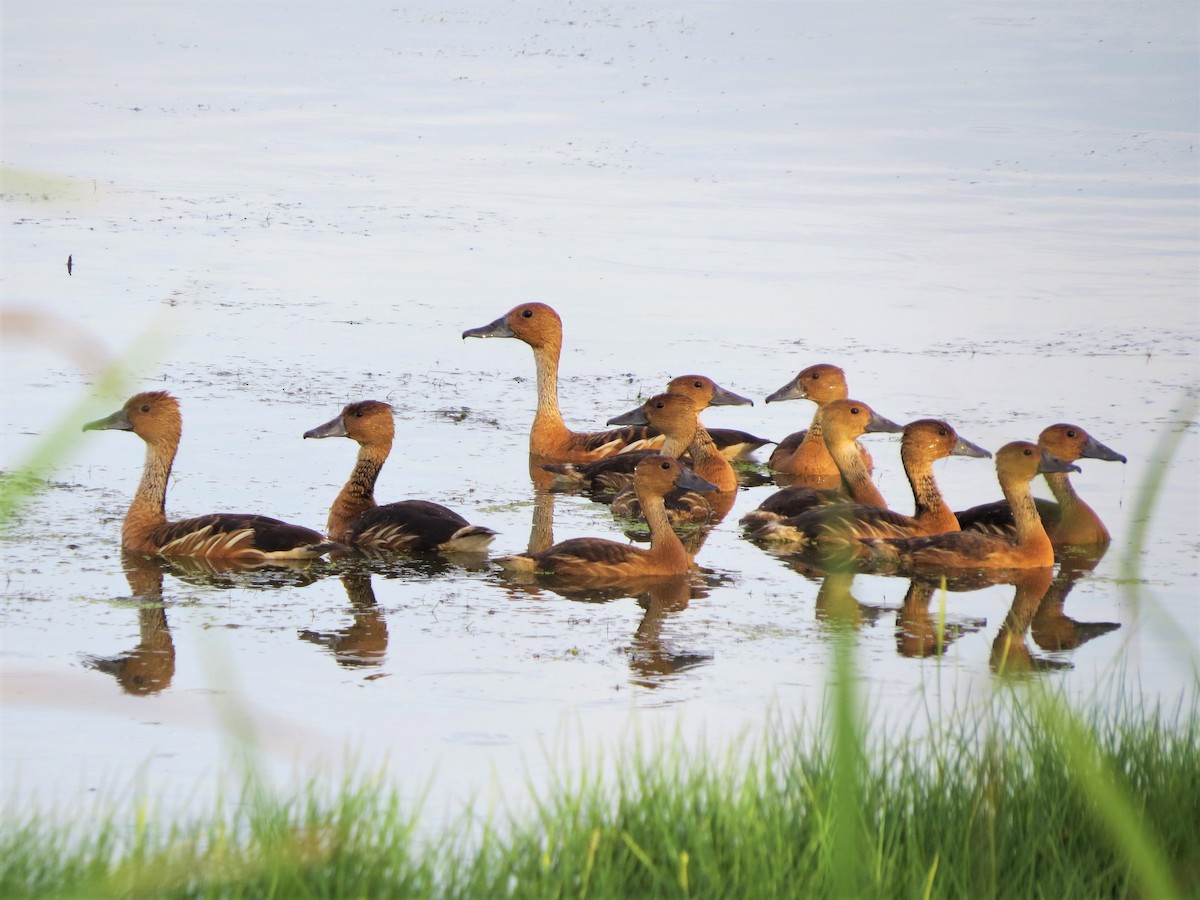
548, 422
148, 509
856, 478
677, 442
1030, 531
666, 549
709, 463
358, 494
929, 507
1076, 519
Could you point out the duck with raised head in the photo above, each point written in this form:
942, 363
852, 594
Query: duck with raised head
804, 453
702, 507
1017, 464
602, 560
154, 416
356, 519
842, 423
550, 440
1069, 521
733, 443
923, 443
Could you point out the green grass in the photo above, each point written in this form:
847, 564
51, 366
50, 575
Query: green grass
989, 805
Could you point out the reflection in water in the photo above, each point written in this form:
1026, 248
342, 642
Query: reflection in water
919, 633
1051, 628
1011, 654
364, 642
651, 658
149, 667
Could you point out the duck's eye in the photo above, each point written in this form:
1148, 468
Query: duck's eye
854, 410
815, 375
665, 465
527, 313
660, 405
697, 384
145, 407
358, 413
1028, 452
942, 432
1071, 433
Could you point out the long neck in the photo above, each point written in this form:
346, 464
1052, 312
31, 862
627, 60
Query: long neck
677, 441
928, 505
148, 509
815, 435
1077, 522
709, 463
548, 420
358, 494
856, 479
666, 550
1030, 531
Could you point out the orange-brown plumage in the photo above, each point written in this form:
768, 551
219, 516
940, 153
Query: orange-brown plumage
923, 443
550, 440
154, 417
842, 422
599, 560
355, 518
1069, 521
1017, 464
804, 453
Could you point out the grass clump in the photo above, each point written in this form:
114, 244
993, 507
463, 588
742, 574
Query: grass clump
990, 804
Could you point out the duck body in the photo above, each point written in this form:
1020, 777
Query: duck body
804, 453
1017, 464
841, 422
600, 560
155, 417
1068, 520
550, 440
403, 526
924, 442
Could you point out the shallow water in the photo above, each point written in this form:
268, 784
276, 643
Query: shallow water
985, 213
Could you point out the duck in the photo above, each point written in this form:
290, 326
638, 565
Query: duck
550, 440
923, 442
733, 443
155, 417
841, 423
1017, 464
676, 412
673, 416
600, 560
357, 520
803, 453
1069, 521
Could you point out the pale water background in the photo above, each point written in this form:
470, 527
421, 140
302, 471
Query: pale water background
985, 212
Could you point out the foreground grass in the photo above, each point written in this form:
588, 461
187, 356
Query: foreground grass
989, 806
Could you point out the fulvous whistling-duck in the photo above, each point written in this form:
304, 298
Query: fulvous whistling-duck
804, 452
1017, 464
702, 456
923, 442
1070, 521
732, 443
550, 440
355, 518
154, 417
672, 416
600, 560
841, 422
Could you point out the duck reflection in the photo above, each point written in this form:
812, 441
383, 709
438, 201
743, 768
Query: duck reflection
652, 657
1052, 629
364, 642
149, 667
920, 633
